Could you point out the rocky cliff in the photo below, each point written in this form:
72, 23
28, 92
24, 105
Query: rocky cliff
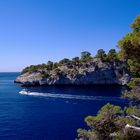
76, 73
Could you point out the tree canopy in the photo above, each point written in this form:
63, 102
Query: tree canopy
85, 56
101, 54
112, 122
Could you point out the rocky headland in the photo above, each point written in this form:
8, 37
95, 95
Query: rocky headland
86, 70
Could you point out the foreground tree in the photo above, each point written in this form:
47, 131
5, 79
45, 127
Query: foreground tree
130, 48
111, 122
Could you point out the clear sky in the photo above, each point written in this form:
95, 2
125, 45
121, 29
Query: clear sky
35, 31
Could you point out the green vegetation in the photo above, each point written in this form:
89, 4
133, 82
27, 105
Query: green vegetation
64, 61
49, 65
109, 124
112, 55
130, 47
112, 122
101, 54
75, 59
55, 65
85, 58
34, 68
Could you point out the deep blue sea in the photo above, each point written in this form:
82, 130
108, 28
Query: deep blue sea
49, 113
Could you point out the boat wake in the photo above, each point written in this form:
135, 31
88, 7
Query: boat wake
69, 96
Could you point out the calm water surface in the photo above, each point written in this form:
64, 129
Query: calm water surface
49, 113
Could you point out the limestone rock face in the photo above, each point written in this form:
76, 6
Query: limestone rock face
29, 79
91, 73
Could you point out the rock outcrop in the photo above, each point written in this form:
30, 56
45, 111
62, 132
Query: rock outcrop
87, 73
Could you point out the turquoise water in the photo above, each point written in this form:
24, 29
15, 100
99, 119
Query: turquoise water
49, 113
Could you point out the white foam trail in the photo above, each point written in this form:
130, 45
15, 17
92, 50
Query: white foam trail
69, 96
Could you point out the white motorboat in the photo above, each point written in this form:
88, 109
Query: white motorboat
24, 91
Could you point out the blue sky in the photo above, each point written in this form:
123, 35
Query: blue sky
35, 31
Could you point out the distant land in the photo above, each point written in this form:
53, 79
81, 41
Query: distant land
84, 70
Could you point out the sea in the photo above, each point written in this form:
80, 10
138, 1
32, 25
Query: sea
50, 112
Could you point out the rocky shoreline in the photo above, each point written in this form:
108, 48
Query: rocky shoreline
94, 72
